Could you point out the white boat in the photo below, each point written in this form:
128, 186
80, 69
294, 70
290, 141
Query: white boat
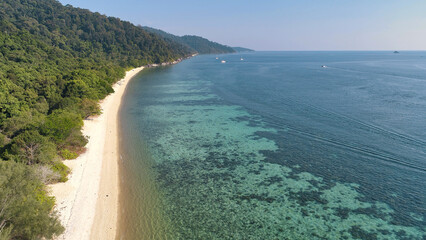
324, 66
223, 61
242, 59
217, 58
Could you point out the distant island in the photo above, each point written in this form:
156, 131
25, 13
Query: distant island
395, 52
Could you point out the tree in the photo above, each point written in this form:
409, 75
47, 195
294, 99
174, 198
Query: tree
78, 88
30, 119
31, 148
89, 107
25, 209
60, 125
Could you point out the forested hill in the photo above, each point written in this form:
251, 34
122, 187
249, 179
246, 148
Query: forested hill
241, 49
56, 62
85, 33
196, 43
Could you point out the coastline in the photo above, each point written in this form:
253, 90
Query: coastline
88, 202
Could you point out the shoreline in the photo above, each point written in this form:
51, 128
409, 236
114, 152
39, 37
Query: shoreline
87, 204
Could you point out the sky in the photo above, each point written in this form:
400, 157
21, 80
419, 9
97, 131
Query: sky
281, 24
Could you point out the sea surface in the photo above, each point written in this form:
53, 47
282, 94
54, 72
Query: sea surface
276, 145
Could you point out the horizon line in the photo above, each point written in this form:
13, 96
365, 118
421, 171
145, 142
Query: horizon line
339, 50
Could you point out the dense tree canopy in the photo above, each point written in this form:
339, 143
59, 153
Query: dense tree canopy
194, 43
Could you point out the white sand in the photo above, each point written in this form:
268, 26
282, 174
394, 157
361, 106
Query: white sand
88, 201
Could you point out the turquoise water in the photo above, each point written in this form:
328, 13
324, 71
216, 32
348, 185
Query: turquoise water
277, 147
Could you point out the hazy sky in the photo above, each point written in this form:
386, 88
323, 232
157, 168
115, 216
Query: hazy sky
281, 24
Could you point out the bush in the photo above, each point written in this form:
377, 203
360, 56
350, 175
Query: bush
26, 207
46, 174
89, 107
67, 154
62, 170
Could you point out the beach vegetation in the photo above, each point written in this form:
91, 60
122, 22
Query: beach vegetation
59, 168
29, 147
25, 208
67, 154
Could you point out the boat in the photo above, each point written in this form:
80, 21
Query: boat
223, 61
324, 66
242, 59
217, 58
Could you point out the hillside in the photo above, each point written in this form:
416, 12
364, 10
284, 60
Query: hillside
241, 49
56, 63
204, 46
195, 43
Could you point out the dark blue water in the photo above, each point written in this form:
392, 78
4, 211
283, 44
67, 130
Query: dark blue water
276, 146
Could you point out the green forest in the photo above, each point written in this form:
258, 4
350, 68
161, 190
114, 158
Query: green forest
194, 43
56, 63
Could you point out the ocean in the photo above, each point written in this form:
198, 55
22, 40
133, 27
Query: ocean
276, 145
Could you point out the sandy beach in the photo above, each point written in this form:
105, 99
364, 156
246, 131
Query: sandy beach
88, 202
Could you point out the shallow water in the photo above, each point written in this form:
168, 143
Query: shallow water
277, 147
